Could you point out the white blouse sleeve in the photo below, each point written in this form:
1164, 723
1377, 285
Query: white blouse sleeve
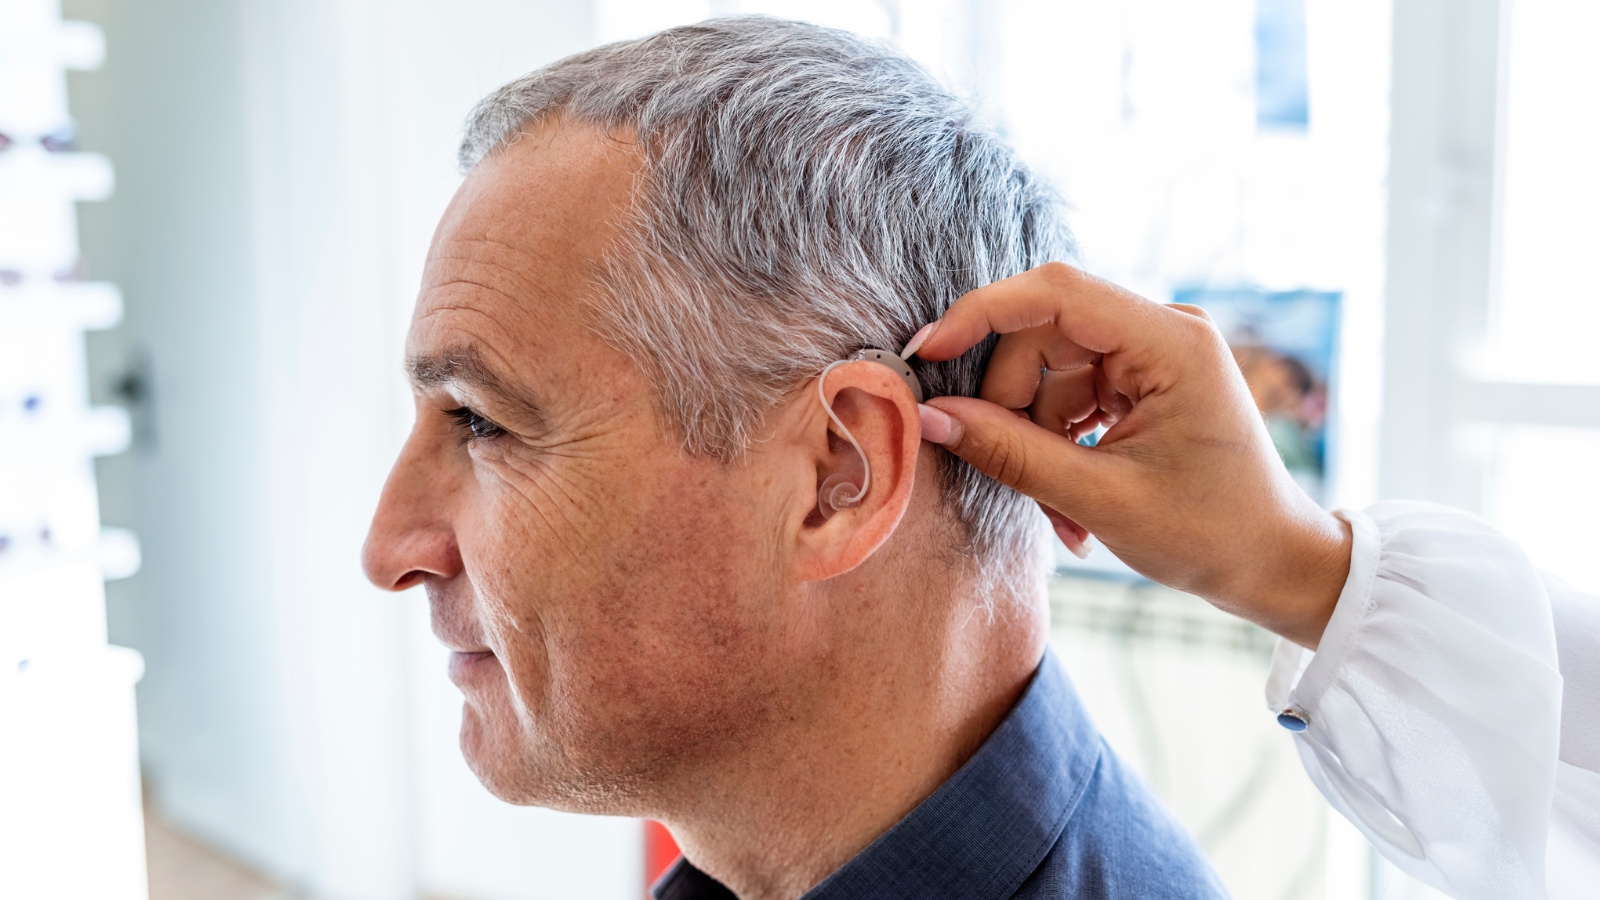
1435, 713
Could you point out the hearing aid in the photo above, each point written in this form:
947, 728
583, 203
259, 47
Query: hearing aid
838, 491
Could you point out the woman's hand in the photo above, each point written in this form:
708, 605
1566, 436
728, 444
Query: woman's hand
1185, 486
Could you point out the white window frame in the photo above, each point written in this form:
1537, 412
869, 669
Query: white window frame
1447, 135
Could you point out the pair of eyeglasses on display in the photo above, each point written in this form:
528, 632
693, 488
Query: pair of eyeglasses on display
13, 542
25, 546
62, 140
76, 271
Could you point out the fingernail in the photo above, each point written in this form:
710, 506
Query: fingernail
1067, 534
917, 340
938, 426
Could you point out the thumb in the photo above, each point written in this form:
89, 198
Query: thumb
1009, 448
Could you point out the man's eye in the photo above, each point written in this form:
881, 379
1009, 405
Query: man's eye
476, 426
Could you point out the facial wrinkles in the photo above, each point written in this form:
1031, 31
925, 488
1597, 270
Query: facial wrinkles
565, 468
467, 277
550, 520
457, 321
552, 502
521, 552
628, 592
537, 524
479, 266
532, 480
540, 494
538, 503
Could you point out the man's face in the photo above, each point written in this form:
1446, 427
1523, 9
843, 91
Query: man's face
611, 603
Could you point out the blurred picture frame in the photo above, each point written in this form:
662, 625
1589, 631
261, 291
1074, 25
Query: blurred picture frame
1287, 346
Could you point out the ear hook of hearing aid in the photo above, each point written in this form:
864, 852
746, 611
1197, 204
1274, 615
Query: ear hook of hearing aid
833, 495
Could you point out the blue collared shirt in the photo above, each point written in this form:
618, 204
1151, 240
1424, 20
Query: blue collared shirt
1044, 809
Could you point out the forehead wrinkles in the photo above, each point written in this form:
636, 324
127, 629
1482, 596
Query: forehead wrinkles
467, 274
450, 327
532, 222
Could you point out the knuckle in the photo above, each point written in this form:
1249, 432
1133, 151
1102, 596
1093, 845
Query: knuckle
1057, 273
1200, 329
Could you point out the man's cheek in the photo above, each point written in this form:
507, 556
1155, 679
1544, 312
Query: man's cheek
556, 495
519, 574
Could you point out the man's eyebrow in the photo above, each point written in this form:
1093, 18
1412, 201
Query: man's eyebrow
465, 366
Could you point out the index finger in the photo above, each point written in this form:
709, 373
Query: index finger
1095, 314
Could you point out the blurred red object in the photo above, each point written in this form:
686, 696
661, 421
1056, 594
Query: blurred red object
660, 852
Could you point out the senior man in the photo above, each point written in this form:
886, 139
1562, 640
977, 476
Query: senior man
611, 490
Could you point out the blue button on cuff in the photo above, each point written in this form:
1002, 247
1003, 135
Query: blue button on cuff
1293, 719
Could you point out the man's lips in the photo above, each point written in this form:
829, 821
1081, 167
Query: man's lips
464, 664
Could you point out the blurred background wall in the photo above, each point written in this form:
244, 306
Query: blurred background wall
280, 166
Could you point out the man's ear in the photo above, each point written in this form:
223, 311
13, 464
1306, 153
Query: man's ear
876, 406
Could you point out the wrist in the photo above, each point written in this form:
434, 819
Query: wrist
1295, 593
1316, 580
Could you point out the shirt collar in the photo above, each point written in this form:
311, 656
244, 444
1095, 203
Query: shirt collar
986, 829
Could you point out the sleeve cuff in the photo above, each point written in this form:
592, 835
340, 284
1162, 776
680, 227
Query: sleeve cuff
1298, 677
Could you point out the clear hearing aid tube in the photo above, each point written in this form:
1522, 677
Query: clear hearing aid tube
831, 496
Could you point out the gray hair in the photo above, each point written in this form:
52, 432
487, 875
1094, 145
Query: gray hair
806, 193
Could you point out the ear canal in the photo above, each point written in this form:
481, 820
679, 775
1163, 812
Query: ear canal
837, 492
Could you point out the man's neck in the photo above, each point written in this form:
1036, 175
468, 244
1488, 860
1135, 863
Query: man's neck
885, 731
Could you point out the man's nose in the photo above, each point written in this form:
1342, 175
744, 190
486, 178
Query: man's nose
411, 536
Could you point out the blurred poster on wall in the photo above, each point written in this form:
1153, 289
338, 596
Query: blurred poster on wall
1286, 344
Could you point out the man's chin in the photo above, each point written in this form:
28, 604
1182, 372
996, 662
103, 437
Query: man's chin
491, 745
497, 760
505, 767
